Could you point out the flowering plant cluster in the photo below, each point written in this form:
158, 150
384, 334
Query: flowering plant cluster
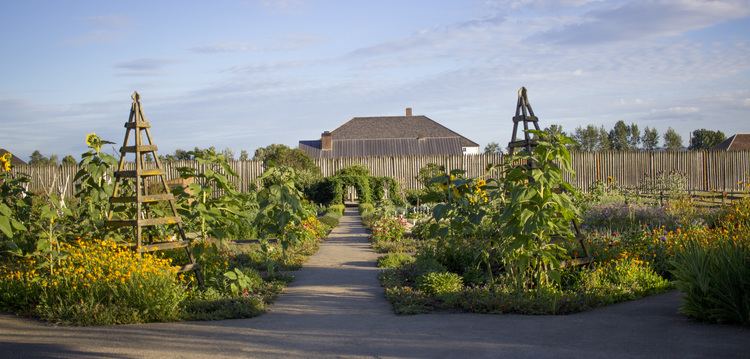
94, 283
388, 229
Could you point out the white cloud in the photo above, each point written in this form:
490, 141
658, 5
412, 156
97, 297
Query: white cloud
142, 67
637, 20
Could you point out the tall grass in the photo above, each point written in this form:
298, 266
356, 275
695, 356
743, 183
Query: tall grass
715, 278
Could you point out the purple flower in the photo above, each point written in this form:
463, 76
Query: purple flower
663, 238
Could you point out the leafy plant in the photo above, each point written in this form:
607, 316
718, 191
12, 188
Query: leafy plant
240, 284
15, 203
94, 186
440, 283
211, 204
714, 278
540, 208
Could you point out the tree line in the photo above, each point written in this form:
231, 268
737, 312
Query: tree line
273, 153
624, 137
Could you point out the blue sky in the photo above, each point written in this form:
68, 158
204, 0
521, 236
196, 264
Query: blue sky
244, 74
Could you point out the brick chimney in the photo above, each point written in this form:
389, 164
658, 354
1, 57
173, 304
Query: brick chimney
326, 141
408, 112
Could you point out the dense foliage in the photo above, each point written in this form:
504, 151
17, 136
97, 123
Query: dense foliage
61, 261
502, 245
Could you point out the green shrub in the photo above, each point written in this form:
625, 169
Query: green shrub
395, 260
406, 300
440, 283
336, 208
715, 278
330, 219
620, 280
425, 264
366, 208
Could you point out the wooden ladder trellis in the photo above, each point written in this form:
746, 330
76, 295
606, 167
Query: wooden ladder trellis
141, 198
525, 114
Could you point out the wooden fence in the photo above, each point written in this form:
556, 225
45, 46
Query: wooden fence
704, 171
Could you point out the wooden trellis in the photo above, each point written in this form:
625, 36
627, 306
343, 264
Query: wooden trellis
132, 189
525, 114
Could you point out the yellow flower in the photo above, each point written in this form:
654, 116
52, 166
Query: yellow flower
5, 162
94, 142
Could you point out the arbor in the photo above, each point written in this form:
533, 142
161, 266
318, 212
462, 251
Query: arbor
704, 139
492, 148
650, 139
587, 139
672, 140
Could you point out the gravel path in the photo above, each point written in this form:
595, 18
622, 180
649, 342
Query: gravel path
336, 308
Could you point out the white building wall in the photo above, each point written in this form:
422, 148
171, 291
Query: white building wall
470, 150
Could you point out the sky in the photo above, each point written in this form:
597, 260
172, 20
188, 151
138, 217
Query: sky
245, 74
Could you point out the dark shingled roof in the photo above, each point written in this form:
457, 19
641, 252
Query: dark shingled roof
389, 127
738, 142
15, 161
385, 147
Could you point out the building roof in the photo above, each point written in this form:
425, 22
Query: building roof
392, 127
738, 142
15, 161
385, 147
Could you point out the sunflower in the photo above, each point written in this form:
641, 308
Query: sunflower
94, 141
5, 161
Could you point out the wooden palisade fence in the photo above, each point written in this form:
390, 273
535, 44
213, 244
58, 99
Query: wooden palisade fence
705, 171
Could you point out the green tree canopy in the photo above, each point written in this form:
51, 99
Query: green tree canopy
634, 136
38, 159
492, 148
69, 160
587, 139
672, 140
650, 139
704, 139
281, 155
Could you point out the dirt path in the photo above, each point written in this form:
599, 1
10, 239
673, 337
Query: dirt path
336, 308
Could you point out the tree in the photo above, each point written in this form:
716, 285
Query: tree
554, 130
277, 155
619, 136
587, 139
492, 148
634, 136
181, 155
672, 140
228, 154
704, 139
37, 159
650, 139
69, 160
604, 143
244, 156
